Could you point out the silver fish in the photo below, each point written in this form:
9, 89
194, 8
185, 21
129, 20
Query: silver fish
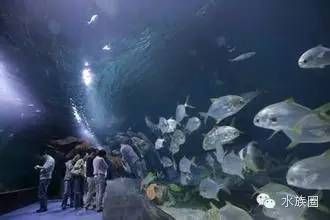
163, 125
316, 57
219, 135
311, 173
243, 56
280, 116
166, 162
185, 164
159, 143
227, 106
178, 137
209, 189
230, 212
233, 165
312, 128
193, 124
180, 112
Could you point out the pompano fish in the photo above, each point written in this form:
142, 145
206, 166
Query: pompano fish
219, 135
193, 124
171, 125
312, 128
180, 112
178, 137
316, 57
252, 157
166, 162
219, 153
159, 143
185, 164
174, 147
243, 56
163, 125
209, 189
227, 106
185, 178
93, 19
311, 173
232, 165
209, 159
231, 212
152, 126
280, 116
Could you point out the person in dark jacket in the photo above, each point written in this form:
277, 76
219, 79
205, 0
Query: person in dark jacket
116, 167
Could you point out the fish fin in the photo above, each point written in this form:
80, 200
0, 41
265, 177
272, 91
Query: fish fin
273, 134
193, 161
218, 121
255, 189
297, 130
227, 190
186, 103
204, 115
326, 153
227, 203
233, 121
292, 145
321, 55
323, 111
290, 100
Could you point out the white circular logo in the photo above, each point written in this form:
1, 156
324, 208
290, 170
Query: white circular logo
269, 203
261, 198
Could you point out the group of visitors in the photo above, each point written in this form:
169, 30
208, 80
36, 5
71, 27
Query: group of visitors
86, 175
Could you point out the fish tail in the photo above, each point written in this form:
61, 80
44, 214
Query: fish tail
204, 115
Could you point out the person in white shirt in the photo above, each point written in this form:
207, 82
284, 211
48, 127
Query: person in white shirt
100, 167
78, 174
131, 158
68, 183
45, 176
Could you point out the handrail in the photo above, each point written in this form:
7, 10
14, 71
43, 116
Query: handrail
18, 190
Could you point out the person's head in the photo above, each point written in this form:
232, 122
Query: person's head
115, 153
126, 141
43, 153
93, 152
102, 153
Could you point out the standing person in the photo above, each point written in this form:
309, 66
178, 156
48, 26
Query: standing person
45, 176
68, 183
78, 174
116, 166
90, 179
132, 159
100, 167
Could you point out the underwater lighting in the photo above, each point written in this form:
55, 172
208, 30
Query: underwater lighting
87, 76
76, 114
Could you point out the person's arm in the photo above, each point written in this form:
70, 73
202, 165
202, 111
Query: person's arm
105, 164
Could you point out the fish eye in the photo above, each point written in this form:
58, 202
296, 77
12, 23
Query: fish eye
257, 120
273, 119
304, 61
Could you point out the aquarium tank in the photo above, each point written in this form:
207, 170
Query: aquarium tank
164, 110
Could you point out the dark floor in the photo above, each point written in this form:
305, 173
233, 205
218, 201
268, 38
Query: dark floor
54, 213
